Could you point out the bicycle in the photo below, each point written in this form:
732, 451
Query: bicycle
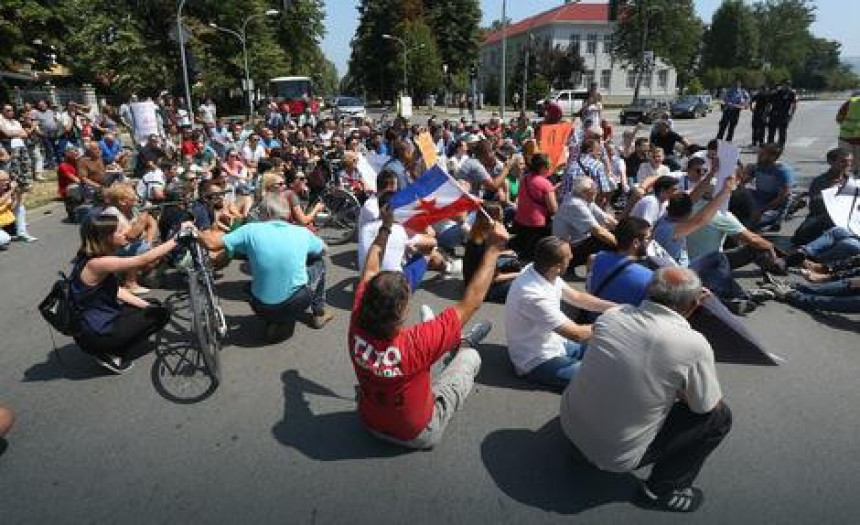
208, 324
337, 222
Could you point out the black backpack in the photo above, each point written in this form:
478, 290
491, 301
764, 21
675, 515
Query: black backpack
58, 308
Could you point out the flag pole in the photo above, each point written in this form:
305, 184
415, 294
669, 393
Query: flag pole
466, 193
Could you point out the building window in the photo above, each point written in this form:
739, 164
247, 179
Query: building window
631, 79
605, 77
607, 43
663, 78
574, 43
646, 79
591, 44
587, 78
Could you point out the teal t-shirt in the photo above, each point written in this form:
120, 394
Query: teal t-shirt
277, 252
710, 238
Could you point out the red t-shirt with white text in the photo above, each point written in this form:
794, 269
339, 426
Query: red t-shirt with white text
396, 395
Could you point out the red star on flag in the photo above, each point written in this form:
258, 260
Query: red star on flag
427, 205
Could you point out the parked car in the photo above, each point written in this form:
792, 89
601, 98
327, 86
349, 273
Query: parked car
349, 107
645, 110
569, 100
690, 106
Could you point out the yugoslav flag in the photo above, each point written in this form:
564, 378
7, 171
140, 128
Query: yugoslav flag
433, 197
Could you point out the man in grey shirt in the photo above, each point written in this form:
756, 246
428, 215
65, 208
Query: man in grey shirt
647, 393
48, 130
581, 222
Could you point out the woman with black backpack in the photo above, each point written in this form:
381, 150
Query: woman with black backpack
112, 320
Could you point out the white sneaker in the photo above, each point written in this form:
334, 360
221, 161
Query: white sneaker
453, 269
25, 237
427, 314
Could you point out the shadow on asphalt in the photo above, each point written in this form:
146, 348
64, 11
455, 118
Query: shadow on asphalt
837, 321
325, 437
340, 295
448, 289
68, 362
542, 469
497, 370
347, 259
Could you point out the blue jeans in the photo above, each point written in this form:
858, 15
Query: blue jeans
715, 271
558, 371
837, 243
414, 271
451, 238
770, 217
310, 295
834, 296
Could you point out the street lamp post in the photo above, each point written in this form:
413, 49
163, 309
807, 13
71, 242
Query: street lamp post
243, 38
529, 42
504, 59
406, 52
181, 39
445, 85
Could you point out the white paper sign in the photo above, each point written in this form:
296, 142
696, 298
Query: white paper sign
728, 155
843, 205
377, 160
368, 173
144, 121
406, 107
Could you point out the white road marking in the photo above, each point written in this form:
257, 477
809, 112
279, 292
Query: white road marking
803, 142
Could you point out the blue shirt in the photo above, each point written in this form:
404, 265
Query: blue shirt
737, 96
271, 143
110, 151
771, 180
664, 234
630, 286
277, 252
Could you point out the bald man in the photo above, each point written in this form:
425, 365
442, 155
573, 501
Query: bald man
647, 393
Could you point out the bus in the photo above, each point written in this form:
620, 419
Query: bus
294, 94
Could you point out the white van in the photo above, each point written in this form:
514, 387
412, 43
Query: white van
569, 100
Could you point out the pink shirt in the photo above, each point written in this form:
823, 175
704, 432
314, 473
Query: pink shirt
531, 201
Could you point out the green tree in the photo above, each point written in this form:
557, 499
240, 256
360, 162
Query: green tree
674, 33
732, 40
21, 23
784, 30
424, 64
374, 61
455, 25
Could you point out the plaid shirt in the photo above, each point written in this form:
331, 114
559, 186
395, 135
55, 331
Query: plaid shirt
592, 168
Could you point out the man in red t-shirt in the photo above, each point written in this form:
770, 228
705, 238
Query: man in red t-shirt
393, 363
67, 172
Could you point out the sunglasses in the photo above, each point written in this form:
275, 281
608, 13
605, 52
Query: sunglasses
279, 184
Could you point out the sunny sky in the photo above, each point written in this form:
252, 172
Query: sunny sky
836, 20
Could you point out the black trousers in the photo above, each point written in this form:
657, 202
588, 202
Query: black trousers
728, 121
131, 328
682, 445
759, 124
527, 237
777, 126
311, 295
587, 247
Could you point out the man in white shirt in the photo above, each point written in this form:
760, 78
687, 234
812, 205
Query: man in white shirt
208, 112
543, 344
652, 206
647, 393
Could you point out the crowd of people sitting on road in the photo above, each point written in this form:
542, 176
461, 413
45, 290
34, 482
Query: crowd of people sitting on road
639, 215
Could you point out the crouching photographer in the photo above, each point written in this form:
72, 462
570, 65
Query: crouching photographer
13, 215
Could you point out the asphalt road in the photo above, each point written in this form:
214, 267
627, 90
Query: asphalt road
279, 441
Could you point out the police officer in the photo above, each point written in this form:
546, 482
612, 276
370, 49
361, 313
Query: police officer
735, 100
783, 104
760, 108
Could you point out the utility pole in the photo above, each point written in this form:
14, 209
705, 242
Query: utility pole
504, 58
181, 37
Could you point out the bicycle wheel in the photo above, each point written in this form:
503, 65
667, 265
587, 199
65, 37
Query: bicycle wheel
204, 323
339, 220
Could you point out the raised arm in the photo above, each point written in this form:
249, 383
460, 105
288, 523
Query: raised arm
704, 216
376, 253
477, 289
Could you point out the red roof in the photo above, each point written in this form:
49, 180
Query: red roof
564, 13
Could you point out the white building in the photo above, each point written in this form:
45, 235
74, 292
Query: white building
586, 26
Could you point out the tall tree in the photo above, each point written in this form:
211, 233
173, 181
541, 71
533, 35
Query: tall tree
374, 60
674, 32
424, 64
784, 30
455, 24
733, 38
